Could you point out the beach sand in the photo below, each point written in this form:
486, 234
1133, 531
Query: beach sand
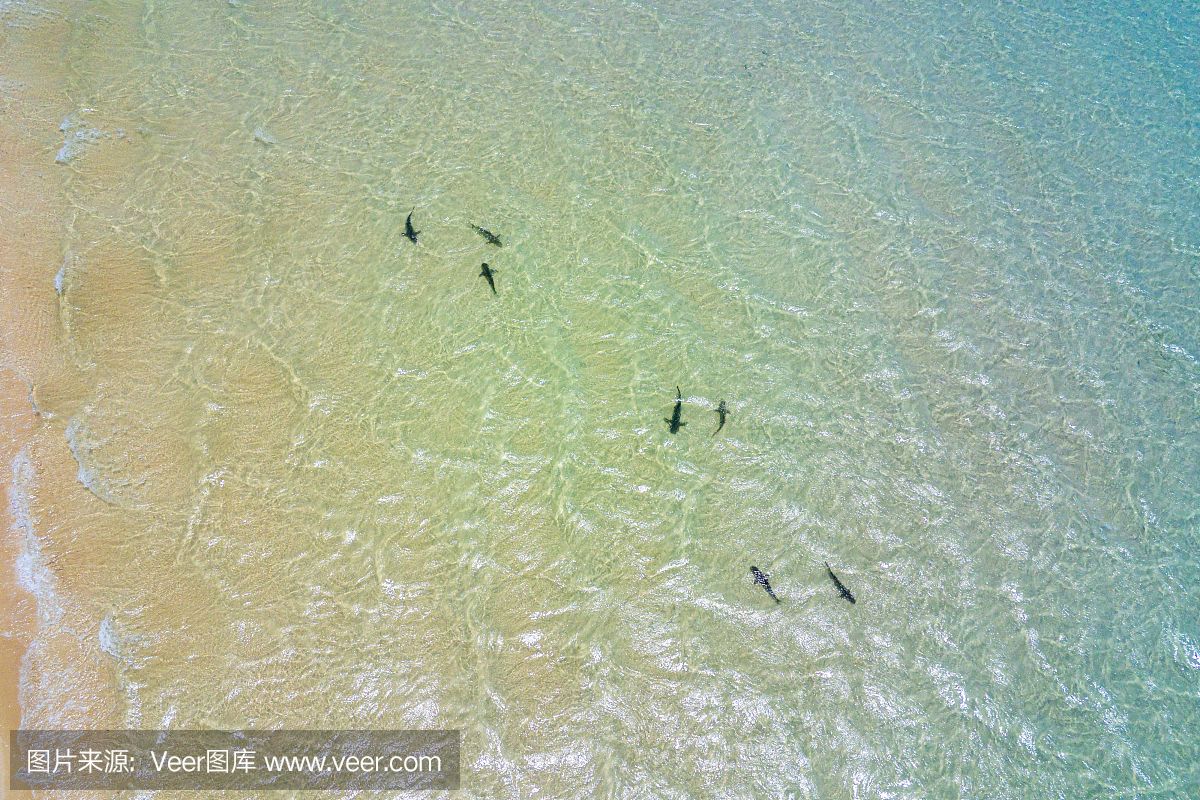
28, 193
33, 366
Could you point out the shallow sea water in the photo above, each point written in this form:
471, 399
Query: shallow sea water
940, 260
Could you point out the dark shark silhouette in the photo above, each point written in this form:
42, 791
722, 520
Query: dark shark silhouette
408, 228
721, 411
486, 234
486, 272
677, 413
842, 590
761, 579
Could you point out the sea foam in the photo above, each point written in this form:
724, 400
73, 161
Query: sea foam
77, 138
32, 574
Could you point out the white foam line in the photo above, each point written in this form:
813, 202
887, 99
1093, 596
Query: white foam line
31, 572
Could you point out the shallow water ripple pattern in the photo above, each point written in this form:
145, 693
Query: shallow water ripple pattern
939, 259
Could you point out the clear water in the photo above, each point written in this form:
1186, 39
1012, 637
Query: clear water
940, 260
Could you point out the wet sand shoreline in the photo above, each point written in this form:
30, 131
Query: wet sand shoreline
30, 346
17, 607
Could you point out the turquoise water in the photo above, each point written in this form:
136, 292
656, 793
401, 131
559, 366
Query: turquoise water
939, 260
